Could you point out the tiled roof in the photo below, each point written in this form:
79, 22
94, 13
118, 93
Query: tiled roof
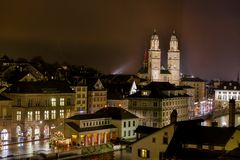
117, 113
78, 129
157, 89
231, 85
117, 91
89, 116
146, 130
196, 134
40, 87
164, 71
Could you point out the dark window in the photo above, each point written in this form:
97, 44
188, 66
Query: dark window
153, 140
129, 123
155, 104
165, 140
68, 101
124, 124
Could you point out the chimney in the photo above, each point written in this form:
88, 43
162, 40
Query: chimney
232, 106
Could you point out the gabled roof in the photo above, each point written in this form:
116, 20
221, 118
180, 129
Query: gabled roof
146, 130
4, 98
119, 78
117, 91
117, 113
90, 83
40, 87
157, 90
229, 85
78, 129
89, 116
196, 134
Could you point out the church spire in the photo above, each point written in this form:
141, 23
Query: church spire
154, 41
173, 42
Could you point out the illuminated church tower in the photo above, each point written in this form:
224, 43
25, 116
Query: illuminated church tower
174, 60
154, 59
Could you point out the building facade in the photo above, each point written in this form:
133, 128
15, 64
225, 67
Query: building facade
89, 129
225, 92
6, 130
199, 86
125, 121
39, 107
154, 103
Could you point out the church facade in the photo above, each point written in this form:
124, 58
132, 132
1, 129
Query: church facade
152, 69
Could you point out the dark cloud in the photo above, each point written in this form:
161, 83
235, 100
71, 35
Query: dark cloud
112, 35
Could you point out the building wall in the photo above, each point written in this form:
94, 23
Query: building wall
123, 103
233, 141
155, 143
96, 100
80, 99
126, 131
6, 125
223, 96
200, 89
37, 114
156, 112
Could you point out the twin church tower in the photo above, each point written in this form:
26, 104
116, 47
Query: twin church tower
152, 69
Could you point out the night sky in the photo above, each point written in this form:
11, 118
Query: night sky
111, 36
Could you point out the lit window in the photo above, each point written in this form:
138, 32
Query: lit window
30, 114
143, 153
61, 101
37, 115
53, 114
53, 101
68, 113
19, 113
46, 115
61, 113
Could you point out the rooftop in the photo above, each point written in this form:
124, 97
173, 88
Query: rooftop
117, 113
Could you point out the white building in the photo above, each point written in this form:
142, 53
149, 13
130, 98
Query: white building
125, 121
225, 92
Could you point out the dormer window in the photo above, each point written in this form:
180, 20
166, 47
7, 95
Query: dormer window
145, 93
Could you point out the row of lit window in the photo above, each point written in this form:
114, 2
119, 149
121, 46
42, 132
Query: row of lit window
53, 102
46, 115
99, 99
81, 102
225, 97
130, 133
96, 123
81, 95
229, 92
79, 89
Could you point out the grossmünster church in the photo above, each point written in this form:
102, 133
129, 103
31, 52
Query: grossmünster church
153, 71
